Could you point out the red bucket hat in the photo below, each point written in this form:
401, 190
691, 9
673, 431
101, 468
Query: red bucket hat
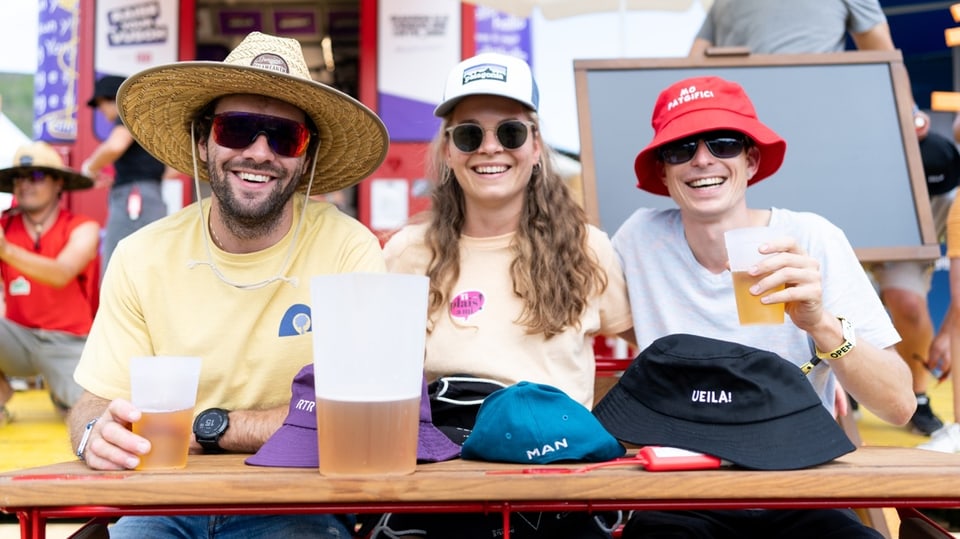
699, 105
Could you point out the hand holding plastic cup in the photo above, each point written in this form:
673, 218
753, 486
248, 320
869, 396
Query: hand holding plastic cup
743, 246
164, 388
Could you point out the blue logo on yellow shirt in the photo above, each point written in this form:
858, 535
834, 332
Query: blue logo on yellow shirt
296, 321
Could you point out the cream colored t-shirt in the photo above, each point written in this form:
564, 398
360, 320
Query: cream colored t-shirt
477, 333
160, 297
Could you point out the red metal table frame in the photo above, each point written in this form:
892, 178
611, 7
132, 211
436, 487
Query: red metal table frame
869, 477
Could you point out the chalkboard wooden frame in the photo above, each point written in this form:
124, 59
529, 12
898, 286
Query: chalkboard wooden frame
852, 153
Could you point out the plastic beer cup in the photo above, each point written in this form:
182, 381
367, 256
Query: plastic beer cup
743, 252
164, 388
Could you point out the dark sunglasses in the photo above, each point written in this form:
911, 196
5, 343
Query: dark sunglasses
511, 134
33, 176
237, 130
722, 144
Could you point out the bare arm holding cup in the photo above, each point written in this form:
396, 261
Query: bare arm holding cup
868, 373
112, 445
102, 428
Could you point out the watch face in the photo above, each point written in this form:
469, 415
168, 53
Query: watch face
210, 423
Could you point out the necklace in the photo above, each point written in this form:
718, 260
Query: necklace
216, 239
39, 225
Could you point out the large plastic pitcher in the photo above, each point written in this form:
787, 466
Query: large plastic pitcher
369, 332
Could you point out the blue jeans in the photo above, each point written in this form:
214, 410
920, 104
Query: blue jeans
233, 527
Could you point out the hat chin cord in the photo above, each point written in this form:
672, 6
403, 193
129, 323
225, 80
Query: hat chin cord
293, 281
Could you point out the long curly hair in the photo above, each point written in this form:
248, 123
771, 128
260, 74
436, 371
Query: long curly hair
553, 271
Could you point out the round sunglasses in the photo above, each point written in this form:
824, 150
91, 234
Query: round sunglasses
237, 130
722, 144
511, 134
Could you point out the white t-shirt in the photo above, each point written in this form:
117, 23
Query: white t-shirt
670, 291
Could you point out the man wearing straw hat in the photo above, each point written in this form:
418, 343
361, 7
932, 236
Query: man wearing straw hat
227, 278
50, 271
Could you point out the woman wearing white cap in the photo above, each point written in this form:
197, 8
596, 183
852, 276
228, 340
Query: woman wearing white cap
519, 282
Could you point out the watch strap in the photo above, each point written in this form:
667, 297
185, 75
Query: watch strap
211, 446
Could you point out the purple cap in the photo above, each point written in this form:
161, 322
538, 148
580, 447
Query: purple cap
295, 442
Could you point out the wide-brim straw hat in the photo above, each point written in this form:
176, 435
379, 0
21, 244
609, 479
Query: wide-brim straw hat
158, 105
41, 156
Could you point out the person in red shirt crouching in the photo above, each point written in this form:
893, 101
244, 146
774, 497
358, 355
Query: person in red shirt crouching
49, 264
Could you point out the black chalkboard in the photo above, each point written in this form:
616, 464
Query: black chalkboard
852, 153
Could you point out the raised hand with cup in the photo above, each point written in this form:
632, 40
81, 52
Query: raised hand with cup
743, 251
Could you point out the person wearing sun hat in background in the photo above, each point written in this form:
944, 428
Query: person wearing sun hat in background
135, 199
50, 273
520, 282
227, 278
708, 147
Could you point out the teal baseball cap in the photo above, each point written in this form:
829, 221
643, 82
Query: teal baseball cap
533, 423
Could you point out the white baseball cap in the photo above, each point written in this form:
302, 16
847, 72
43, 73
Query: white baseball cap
489, 73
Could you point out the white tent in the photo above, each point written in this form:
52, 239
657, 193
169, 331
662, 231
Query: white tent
11, 138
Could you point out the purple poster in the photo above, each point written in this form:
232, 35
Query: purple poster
498, 32
55, 84
288, 22
240, 22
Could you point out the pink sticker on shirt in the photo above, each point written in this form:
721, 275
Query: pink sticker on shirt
465, 304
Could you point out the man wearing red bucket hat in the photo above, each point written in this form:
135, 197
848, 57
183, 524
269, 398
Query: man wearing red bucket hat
708, 147
826, 27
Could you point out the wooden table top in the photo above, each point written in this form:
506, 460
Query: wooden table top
877, 473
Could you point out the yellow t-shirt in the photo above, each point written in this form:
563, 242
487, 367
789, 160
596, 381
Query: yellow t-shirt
953, 230
478, 335
161, 297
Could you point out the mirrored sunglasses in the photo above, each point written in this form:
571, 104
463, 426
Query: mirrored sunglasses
722, 144
237, 130
511, 134
32, 176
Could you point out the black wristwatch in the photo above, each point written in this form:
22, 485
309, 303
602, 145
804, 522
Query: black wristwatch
209, 427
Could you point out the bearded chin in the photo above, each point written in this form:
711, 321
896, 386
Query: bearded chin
249, 220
